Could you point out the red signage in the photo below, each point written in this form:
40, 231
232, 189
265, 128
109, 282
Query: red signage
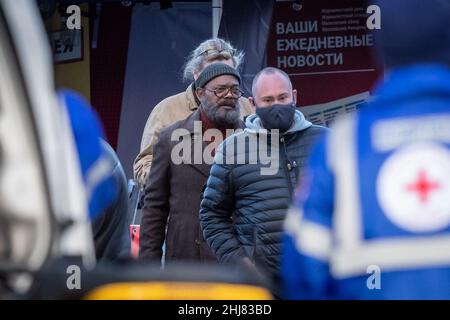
324, 46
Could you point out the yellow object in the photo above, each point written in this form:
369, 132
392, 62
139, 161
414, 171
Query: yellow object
177, 291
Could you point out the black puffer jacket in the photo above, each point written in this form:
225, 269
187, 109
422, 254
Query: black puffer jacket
242, 210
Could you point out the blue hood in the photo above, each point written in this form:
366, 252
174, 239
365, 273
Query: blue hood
420, 79
253, 123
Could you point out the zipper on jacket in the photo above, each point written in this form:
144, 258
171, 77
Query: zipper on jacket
288, 167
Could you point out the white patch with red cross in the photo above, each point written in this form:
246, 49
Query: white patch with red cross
413, 187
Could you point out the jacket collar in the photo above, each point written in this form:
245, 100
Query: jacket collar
254, 125
190, 126
191, 98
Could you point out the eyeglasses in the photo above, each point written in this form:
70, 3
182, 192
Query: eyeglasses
222, 92
209, 52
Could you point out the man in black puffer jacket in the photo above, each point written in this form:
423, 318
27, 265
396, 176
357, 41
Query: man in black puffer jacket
253, 177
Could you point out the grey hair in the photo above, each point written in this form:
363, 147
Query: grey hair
269, 70
196, 58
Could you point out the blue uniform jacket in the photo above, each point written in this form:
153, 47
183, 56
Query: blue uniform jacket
372, 220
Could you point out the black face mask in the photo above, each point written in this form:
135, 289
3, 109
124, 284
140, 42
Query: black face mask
277, 116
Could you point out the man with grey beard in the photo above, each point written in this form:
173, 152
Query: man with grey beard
183, 104
174, 186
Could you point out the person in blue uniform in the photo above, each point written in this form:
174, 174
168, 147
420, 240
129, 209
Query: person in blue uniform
372, 220
104, 179
101, 191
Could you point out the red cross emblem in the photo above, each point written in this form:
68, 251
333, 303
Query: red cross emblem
423, 186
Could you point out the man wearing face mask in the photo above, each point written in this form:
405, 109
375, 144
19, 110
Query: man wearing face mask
258, 200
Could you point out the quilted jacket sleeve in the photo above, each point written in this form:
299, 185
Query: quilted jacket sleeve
216, 210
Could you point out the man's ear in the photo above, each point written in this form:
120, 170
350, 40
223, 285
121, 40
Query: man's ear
294, 96
252, 101
200, 93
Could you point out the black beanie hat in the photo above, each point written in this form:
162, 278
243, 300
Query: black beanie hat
215, 70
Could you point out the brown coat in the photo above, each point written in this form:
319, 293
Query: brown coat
164, 114
172, 197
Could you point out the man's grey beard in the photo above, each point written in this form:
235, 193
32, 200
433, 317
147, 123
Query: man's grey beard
227, 119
